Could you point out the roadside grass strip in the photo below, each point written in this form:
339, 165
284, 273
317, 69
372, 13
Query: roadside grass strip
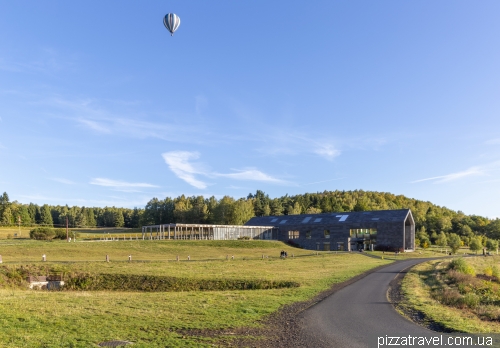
460, 295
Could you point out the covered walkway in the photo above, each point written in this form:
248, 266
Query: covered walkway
209, 232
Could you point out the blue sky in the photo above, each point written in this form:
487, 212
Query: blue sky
99, 105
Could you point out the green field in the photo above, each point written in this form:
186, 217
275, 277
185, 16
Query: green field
23, 232
32, 318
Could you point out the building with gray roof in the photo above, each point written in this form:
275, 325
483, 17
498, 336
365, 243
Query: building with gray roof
389, 230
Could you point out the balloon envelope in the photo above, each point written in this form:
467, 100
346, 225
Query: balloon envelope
171, 22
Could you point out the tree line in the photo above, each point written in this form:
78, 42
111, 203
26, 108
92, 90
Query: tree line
430, 219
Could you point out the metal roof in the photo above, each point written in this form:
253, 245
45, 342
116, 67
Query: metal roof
332, 218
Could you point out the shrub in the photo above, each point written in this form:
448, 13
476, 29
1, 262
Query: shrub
42, 233
60, 233
462, 266
495, 271
471, 300
488, 271
450, 297
123, 282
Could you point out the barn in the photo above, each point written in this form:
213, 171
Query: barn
346, 231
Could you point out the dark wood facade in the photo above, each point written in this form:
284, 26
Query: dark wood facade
347, 231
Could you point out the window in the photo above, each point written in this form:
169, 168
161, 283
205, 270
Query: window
308, 234
363, 232
326, 246
293, 234
326, 233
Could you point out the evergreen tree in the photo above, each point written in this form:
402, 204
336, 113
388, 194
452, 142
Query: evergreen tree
46, 216
6, 219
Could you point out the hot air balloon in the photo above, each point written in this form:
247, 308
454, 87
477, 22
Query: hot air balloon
171, 22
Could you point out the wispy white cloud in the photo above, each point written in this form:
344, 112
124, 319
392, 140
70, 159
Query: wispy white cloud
120, 118
201, 103
250, 174
327, 151
493, 141
121, 185
64, 181
180, 163
107, 201
47, 61
473, 171
94, 125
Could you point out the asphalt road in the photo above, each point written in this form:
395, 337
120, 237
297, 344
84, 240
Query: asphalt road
358, 314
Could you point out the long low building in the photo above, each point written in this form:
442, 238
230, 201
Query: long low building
389, 230
392, 230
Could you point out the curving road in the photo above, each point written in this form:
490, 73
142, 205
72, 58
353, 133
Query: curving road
358, 314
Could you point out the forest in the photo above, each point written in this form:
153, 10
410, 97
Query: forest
430, 219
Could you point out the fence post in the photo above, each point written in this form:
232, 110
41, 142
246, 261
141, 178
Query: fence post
107, 258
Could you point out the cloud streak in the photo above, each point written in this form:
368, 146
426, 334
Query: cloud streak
121, 185
95, 116
63, 181
250, 174
473, 171
180, 163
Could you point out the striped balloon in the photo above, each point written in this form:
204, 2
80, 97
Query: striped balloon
171, 22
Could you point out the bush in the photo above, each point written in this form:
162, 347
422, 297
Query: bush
488, 271
42, 233
495, 271
462, 266
60, 233
130, 282
450, 297
471, 300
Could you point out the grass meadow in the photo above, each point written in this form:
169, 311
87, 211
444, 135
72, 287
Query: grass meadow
36, 318
23, 232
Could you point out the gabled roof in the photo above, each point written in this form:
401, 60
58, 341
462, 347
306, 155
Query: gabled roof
332, 218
